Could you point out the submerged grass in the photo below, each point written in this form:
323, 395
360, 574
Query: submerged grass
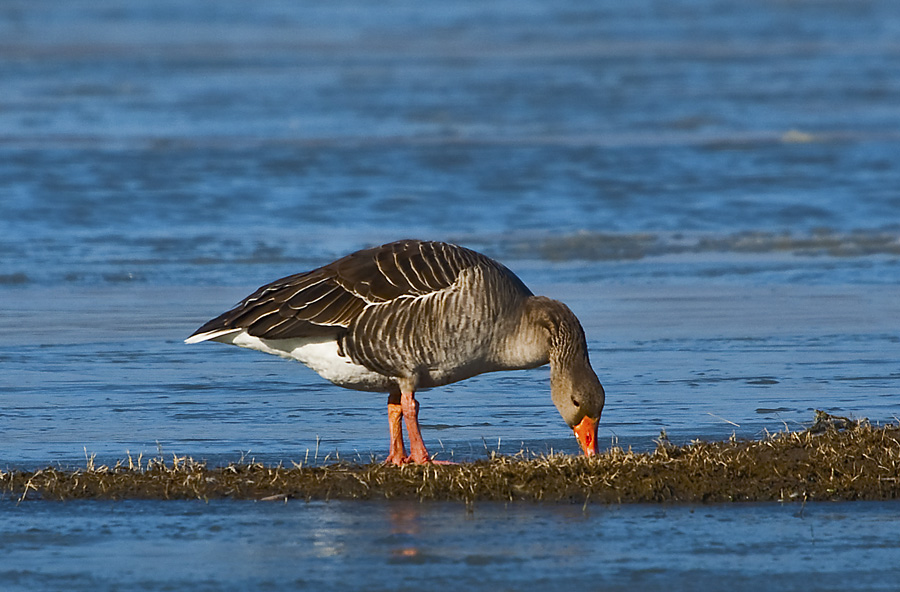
835, 459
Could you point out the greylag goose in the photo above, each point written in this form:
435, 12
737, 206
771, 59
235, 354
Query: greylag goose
411, 315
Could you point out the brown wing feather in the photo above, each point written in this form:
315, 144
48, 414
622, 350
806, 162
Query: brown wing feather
295, 306
327, 300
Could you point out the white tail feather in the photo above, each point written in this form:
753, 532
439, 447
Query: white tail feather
210, 335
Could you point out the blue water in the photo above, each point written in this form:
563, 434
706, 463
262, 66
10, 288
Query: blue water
712, 186
410, 546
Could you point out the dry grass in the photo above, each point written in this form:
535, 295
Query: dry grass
836, 459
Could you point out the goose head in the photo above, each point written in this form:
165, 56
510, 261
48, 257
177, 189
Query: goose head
579, 397
574, 387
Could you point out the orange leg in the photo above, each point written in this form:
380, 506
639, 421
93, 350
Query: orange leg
397, 453
410, 408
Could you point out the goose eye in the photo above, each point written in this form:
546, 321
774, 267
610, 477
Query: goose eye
575, 402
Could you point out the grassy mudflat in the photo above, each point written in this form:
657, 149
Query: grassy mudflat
834, 459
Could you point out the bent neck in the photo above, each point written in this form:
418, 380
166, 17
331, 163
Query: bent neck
564, 337
568, 354
547, 331
574, 387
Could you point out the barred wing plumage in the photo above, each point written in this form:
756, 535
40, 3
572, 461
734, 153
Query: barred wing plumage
328, 300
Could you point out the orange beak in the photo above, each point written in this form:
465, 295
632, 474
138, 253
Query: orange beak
586, 433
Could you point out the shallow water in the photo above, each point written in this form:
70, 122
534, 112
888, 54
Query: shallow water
695, 361
711, 186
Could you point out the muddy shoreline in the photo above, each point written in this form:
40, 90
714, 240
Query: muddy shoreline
835, 459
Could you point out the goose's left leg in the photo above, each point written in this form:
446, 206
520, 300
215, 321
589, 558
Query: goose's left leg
410, 407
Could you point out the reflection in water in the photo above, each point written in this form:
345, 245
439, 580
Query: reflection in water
405, 527
489, 546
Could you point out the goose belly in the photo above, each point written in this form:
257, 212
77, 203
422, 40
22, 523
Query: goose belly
320, 355
448, 374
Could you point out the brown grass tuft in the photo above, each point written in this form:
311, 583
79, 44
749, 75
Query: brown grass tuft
836, 459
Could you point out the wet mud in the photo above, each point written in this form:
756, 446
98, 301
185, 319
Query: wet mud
834, 459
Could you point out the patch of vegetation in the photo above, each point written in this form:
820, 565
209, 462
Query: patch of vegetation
835, 459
